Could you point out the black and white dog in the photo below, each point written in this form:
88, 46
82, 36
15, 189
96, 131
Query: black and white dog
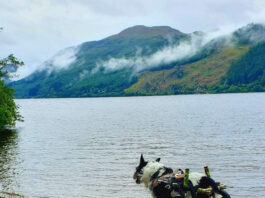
150, 173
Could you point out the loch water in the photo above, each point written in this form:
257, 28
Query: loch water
89, 147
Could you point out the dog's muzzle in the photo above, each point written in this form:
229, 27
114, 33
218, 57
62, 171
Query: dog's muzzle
136, 178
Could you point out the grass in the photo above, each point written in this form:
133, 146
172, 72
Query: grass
196, 77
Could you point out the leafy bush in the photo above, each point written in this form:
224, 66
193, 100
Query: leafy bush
8, 108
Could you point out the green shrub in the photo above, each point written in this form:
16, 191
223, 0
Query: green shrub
8, 108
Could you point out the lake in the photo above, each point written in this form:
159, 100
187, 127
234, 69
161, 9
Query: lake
89, 147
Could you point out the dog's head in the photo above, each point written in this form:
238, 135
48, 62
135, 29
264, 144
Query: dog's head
137, 176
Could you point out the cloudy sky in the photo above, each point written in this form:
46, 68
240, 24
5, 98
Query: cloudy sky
34, 30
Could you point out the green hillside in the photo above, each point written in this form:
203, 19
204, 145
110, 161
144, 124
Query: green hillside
153, 61
197, 77
79, 80
246, 74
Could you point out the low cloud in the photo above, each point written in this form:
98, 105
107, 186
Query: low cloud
83, 74
169, 54
36, 29
164, 56
61, 60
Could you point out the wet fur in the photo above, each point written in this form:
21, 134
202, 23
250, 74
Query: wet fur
148, 169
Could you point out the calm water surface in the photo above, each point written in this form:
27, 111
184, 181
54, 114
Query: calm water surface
90, 147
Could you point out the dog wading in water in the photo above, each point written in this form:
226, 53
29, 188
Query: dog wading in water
163, 182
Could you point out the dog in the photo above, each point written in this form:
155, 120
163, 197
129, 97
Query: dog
159, 179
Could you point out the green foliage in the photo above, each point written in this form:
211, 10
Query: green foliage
8, 108
6, 62
249, 68
246, 74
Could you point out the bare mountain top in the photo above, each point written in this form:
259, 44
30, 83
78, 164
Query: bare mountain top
144, 31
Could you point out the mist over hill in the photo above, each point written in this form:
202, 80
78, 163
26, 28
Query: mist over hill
144, 60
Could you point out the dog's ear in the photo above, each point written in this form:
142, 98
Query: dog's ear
142, 159
158, 160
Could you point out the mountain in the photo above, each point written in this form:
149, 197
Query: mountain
77, 71
144, 60
142, 31
250, 34
195, 77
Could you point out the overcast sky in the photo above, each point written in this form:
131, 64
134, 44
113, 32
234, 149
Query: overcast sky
34, 30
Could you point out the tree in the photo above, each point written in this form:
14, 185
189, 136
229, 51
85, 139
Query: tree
8, 109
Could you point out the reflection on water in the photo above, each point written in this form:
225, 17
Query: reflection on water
8, 159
